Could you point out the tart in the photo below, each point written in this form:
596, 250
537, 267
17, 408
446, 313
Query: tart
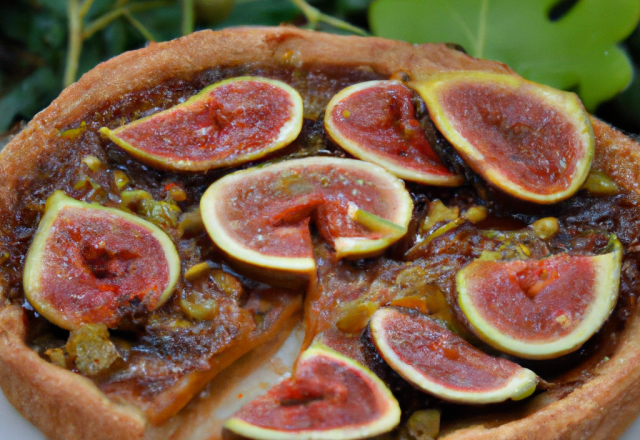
379, 243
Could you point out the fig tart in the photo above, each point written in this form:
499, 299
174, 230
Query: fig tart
437, 247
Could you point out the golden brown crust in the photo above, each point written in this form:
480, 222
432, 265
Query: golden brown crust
66, 406
62, 404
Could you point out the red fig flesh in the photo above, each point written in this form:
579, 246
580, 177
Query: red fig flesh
441, 363
329, 397
540, 309
229, 123
375, 121
533, 142
90, 264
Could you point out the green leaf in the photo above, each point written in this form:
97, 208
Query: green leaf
14, 23
163, 22
260, 13
27, 97
57, 7
576, 52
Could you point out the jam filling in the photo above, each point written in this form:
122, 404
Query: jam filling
158, 349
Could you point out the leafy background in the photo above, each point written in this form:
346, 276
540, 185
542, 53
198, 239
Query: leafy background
588, 46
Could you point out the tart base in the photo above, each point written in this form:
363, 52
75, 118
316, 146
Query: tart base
67, 406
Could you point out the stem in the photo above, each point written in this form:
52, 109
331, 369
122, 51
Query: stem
106, 19
141, 28
84, 9
311, 13
341, 24
482, 28
75, 42
314, 16
188, 17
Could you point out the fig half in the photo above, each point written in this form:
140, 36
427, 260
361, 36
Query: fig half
260, 216
91, 264
534, 142
375, 121
441, 363
228, 123
329, 397
540, 309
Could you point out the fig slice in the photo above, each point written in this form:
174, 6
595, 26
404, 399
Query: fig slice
228, 123
260, 216
329, 397
441, 363
540, 309
375, 121
91, 264
534, 142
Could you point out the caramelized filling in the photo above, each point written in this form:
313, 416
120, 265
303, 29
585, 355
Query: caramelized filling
159, 350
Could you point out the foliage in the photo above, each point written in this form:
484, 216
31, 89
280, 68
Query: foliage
45, 44
576, 51
624, 110
34, 38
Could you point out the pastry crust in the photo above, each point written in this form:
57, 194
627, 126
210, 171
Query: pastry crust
67, 406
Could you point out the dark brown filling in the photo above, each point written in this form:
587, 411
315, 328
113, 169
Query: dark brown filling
158, 349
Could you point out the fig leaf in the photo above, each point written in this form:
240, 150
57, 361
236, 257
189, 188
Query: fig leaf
565, 53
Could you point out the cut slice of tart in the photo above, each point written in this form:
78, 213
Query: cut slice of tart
161, 387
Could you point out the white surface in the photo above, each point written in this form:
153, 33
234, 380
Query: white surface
14, 427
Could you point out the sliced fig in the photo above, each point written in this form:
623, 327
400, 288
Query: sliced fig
375, 121
91, 264
540, 309
260, 216
443, 364
329, 397
534, 142
228, 123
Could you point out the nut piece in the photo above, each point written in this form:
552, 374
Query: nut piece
531, 141
91, 264
228, 123
324, 383
90, 349
546, 227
